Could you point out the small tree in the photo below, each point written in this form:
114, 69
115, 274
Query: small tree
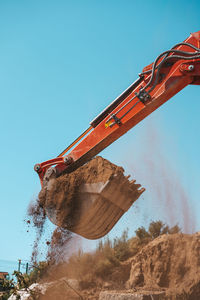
142, 234
174, 229
157, 228
121, 246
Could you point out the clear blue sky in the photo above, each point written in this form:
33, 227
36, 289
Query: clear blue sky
61, 63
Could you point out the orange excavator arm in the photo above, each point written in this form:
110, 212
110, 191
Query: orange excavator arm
171, 72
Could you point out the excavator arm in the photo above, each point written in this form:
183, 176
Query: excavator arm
170, 73
92, 208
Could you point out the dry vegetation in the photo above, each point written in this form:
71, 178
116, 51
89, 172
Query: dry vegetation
110, 254
108, 262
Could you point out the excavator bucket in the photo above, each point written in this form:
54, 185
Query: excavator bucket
94, 207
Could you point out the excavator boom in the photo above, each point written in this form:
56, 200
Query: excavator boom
170, 73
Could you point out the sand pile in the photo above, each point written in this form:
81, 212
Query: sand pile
171, 263
90, 200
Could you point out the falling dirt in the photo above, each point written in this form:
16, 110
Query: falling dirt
60, 245
37, 218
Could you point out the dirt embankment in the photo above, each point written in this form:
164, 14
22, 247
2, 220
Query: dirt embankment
168, 267
170, 263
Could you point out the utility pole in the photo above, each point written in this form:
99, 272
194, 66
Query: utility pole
26, 268
19, 265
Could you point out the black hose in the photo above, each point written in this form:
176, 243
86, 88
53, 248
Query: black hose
168, 58
167, 52
186, 44
166, 55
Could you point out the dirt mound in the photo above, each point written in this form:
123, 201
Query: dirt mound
90, 200
171, 263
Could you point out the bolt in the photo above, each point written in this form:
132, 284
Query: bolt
37, 167
191, 67
68, 160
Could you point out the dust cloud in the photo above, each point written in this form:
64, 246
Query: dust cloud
165, 196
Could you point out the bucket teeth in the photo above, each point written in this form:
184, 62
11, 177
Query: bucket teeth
142, 190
